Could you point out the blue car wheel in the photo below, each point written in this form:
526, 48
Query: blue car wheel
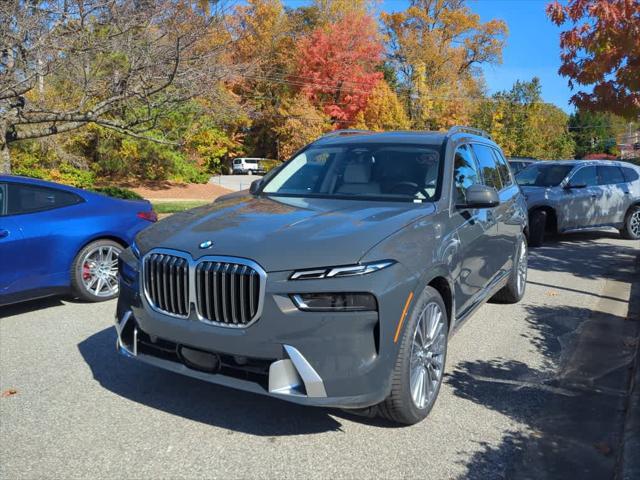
94, 272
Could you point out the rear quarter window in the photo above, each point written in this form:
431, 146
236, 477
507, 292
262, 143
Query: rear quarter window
23, 199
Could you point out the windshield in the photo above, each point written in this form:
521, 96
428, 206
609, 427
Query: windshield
376, 172
540, 175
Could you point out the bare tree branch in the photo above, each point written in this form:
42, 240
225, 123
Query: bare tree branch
115, 63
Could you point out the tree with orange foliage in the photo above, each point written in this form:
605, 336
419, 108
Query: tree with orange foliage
601, 48
337, 67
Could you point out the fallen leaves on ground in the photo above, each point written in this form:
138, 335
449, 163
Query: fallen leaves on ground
9, 392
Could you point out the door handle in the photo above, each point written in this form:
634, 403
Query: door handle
4, 233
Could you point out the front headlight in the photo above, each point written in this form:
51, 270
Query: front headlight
335, 302
343, 271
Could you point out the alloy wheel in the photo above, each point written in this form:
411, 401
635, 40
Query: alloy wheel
100, 271
634, 223
427, 355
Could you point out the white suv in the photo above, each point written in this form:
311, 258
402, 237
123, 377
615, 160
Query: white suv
247, 166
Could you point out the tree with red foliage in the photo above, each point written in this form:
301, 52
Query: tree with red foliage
602, 48
337, 67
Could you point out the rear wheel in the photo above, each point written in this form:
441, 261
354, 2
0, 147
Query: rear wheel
419, 368
94, 272
249, 172
631, 229
513, 291
537, 227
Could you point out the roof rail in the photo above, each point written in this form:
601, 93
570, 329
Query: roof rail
473, 131
340, 133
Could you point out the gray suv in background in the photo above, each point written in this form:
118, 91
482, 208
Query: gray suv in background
569, 195
338, 279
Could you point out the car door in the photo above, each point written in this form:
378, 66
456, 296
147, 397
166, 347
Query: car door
10, 247
513, 212
580, 203
38, 213
473, 226
614, 195
497, 254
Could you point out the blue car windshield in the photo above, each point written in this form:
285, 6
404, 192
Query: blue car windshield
541, 175
397, 172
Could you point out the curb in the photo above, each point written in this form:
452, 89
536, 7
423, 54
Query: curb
630, 461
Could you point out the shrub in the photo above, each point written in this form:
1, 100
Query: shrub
118, 192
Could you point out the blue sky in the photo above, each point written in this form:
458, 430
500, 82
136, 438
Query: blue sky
532, 46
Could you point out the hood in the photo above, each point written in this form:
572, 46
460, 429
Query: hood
283, 233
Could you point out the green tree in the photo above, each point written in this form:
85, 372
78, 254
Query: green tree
595, 132
525, 126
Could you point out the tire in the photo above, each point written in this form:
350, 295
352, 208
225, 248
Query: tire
631, 229
249, 172
514, 290
94, 271
401, 406
537, 227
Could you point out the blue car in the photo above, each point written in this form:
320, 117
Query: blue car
57, 239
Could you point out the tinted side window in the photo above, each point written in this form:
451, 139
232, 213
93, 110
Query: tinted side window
488, 166
503, 168
28, 199
610, 175
465, 172
630, 175
585, 176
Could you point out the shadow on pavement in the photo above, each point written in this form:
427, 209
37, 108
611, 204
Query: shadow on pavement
571, 405
591, 260
196, 400
30, 306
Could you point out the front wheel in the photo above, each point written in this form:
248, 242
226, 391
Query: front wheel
94, 272
419, 368
631, 229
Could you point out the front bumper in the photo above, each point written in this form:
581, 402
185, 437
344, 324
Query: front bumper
338, 359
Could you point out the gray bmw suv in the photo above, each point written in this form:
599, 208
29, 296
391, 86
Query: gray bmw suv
338, 279
570, 195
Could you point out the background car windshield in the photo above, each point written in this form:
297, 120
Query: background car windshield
543, 175
381, 171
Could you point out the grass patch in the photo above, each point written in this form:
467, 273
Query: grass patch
176, 206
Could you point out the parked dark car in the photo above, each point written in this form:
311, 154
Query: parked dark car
564, 196
520, 163
59, 239
338, 279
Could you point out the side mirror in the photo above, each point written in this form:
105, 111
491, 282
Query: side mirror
480, 196
571, 186
254, 188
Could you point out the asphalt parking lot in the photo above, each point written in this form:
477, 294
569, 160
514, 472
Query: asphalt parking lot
528, 390
234, 182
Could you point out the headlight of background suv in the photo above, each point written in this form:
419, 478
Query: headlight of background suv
343, 271
335, 302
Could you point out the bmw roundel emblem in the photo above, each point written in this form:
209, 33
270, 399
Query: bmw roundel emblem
206, 244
